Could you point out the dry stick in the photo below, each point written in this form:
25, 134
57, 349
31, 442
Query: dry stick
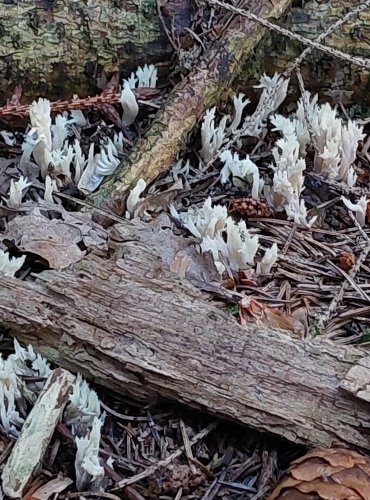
352, 274
163, 463
187, 446
358, 61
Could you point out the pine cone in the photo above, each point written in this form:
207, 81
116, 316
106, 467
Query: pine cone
335, 474
250, 208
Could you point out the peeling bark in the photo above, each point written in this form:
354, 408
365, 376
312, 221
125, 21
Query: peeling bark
132, 326
25, 460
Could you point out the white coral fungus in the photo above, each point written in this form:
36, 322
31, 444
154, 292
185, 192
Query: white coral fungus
358, 208
129, 104
228, 241
134, 199
89, 472
241, 171
9, 266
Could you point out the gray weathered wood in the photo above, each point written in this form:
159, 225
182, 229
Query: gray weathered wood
132, 326
26, 457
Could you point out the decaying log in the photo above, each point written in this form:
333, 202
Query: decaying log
72, 47
188, 101
67, 49
26, 457
133, 326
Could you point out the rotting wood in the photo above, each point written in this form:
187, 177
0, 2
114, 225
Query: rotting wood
26, 457
188, 101
74, 46
133, 326
81, 42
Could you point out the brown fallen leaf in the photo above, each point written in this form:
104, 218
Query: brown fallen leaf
56, 485
158, 202
251, 310
53, 240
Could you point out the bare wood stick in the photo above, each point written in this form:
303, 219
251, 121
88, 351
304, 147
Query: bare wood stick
187, 447
28, 452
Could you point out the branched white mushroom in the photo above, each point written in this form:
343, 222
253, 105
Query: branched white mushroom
268, 260
9, 266
239, 105
89, 472
84, 406
16, 192
358, 208
129, 105
145, 76
212, 137
41, 124
134, 198
241, 171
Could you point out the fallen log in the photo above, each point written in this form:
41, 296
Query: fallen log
133, 326
61, 48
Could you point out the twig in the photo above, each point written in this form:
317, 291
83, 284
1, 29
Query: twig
358, 61
163, 463
71, 104
188, 450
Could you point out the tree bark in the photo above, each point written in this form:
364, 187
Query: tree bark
332, 78
67, 49
131, 325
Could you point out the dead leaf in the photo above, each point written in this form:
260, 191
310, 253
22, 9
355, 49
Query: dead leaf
53, 240
56, 485
159, 202
251, 310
